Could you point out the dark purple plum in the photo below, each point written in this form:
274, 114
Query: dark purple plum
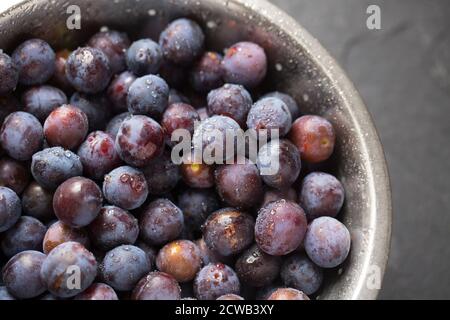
21, 135
114, 45
182, 41
287, 294
114, 124
321, 194
125, 187
275, 195
181, 259
288, 100
118, 90
314, 136
140, 139
279, 163
97, 291
113, 227
95, 107
207, 72
244, 63
66, 126
124, 266
52, 166
178, 116
35, 60
197, 205
98, 155
230, 100
40, 101
327, 242
239, 185
148, 95
14, 174
37, 202
22, 274
61, 266
228, 231
213, 134
280, 227
195, 173
10, 208
162, 174
88, 70
215, 280
160, 222
59, 233
144, 57
270, 114
157, 286
77, 201
9, 74
300, 273
256, 268
26, 234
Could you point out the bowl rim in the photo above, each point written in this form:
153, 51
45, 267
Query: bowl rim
375, 161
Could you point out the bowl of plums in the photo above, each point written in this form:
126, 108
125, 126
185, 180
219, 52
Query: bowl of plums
167, 150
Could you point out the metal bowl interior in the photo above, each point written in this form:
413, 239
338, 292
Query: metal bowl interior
298, 66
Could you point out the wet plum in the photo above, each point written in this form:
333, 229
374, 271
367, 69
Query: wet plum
215, 280
160, 222
280, 227
98, 155
157, 286
140, 139
59, 233
77, 201
314, 136
21, 135
66, 126
228, 231
113, 227
26, 234
181, 259
52, 166
124, 266
14, 174
10, 208
125, 187
60, 266
327, 242
22, 274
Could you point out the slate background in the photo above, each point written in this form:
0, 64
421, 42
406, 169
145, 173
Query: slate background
403, 74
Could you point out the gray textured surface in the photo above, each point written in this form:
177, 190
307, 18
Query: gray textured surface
403, 74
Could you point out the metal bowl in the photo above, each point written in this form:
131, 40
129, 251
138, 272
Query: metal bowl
298, 65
